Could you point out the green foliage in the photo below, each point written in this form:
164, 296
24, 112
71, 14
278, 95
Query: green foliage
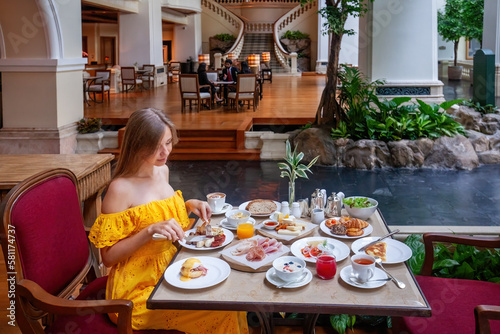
340, 322
456, 261
368, 117
292, 168
225, 37
294, 34
88, 125
473, 11
306, 126
487, 109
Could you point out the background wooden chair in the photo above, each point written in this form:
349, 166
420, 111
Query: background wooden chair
190, 91
173, 71
246, 90
149, 76
458, 305
43, 227
100, 85
129, 79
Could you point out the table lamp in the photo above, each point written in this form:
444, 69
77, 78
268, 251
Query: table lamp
266, 59
254, 63
204, 58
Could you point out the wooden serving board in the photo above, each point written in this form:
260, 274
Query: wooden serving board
276, 236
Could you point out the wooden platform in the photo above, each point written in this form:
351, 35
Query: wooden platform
219, 133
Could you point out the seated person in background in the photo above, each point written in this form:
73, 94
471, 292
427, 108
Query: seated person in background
245, 69
203, 81
140, 202
229, 73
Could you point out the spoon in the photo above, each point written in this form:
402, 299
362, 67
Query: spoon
301, 277
400, 284
355, 281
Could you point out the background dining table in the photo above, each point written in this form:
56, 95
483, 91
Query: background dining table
250, 290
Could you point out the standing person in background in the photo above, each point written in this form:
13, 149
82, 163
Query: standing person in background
203, 81
140, 202
230, 74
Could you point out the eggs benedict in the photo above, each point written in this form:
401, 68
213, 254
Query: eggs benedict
192, 268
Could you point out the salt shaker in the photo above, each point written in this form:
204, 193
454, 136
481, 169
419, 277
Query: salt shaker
296, 212
285, 208
320, 201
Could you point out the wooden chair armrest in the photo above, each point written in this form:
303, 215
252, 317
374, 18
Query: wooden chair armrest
482, 315
44, 301
429, 238
201, 86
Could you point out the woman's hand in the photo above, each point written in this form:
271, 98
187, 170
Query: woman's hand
169, 228
199, 208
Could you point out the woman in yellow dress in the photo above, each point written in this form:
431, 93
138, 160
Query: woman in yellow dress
138, 203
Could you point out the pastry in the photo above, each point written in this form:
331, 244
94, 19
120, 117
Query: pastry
379, 249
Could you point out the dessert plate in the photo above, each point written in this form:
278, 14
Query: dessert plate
217, 271
396, 250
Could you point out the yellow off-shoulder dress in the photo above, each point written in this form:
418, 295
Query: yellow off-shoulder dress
135, 278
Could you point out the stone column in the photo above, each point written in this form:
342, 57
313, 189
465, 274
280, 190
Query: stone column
188, 39
491, 35
395, 46
323, 43
140, 35
41, 64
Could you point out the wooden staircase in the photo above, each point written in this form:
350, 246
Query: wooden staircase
206, 144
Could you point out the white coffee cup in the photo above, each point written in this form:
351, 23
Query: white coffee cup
317, 216
216, 201
363, 267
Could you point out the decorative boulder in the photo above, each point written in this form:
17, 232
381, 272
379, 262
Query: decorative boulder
367, 154
452, 152
316, 141
479, 141
467, 116
490, 123
489, 157
407, 153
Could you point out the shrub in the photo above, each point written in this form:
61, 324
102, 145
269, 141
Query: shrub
487, 109
225, 37
88, 125
294, 34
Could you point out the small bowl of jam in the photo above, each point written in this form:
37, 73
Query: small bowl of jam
270, 224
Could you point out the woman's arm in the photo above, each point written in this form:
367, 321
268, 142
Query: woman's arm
199, 208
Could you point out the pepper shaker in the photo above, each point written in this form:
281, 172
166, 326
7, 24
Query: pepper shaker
296, 210
285, 208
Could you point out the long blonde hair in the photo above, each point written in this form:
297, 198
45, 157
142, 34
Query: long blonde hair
143, 133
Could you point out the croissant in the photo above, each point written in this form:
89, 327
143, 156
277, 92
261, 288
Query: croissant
356, 223
354, 232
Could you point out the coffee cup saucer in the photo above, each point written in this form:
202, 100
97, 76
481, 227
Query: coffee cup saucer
225, 209
225, 223
346, 274
273, 278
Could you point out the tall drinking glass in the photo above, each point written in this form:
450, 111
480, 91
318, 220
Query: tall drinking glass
326, 266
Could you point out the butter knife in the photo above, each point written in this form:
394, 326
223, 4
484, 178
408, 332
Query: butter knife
378, 240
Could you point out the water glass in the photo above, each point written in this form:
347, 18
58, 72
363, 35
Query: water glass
326, 266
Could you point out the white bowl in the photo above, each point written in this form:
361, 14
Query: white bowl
361, 213
237, 216
270, 227
295, 267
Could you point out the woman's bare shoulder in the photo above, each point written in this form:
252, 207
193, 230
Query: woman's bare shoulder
117, 197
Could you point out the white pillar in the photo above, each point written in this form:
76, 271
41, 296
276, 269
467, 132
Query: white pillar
188, 39
323, 43
140, 37
41, 64
398, 48
491, 35
350, 45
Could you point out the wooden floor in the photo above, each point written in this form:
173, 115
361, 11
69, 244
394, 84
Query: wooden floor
287, 100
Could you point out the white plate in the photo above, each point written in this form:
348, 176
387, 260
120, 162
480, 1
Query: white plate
244, 205
217, 271
229, 237
346, 272
396, 251
366, 231
341, 251
275, 280
225, 209
224, 224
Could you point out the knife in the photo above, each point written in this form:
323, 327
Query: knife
378, 240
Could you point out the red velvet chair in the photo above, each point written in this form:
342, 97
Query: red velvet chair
44, 242
458, 305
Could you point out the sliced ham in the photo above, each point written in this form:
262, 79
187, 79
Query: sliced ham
256, 253
244, 247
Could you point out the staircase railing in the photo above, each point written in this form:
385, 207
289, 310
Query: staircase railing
289, 20
259, 27
228, 17
230, 2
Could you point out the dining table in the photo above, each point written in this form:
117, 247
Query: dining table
254, 290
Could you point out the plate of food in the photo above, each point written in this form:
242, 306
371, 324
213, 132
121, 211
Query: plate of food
309, 249
255, 252
212, 237
389, 250
260, 207
287, 229
346, 227
197, 273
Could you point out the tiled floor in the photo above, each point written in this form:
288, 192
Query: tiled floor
405, 196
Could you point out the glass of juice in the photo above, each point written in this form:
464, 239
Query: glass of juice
245, 230
326, 266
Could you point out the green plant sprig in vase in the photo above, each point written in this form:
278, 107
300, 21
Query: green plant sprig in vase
292, 168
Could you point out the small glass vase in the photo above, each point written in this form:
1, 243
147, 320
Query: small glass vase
291, 192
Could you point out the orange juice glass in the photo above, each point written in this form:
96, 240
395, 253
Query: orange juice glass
244, 230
